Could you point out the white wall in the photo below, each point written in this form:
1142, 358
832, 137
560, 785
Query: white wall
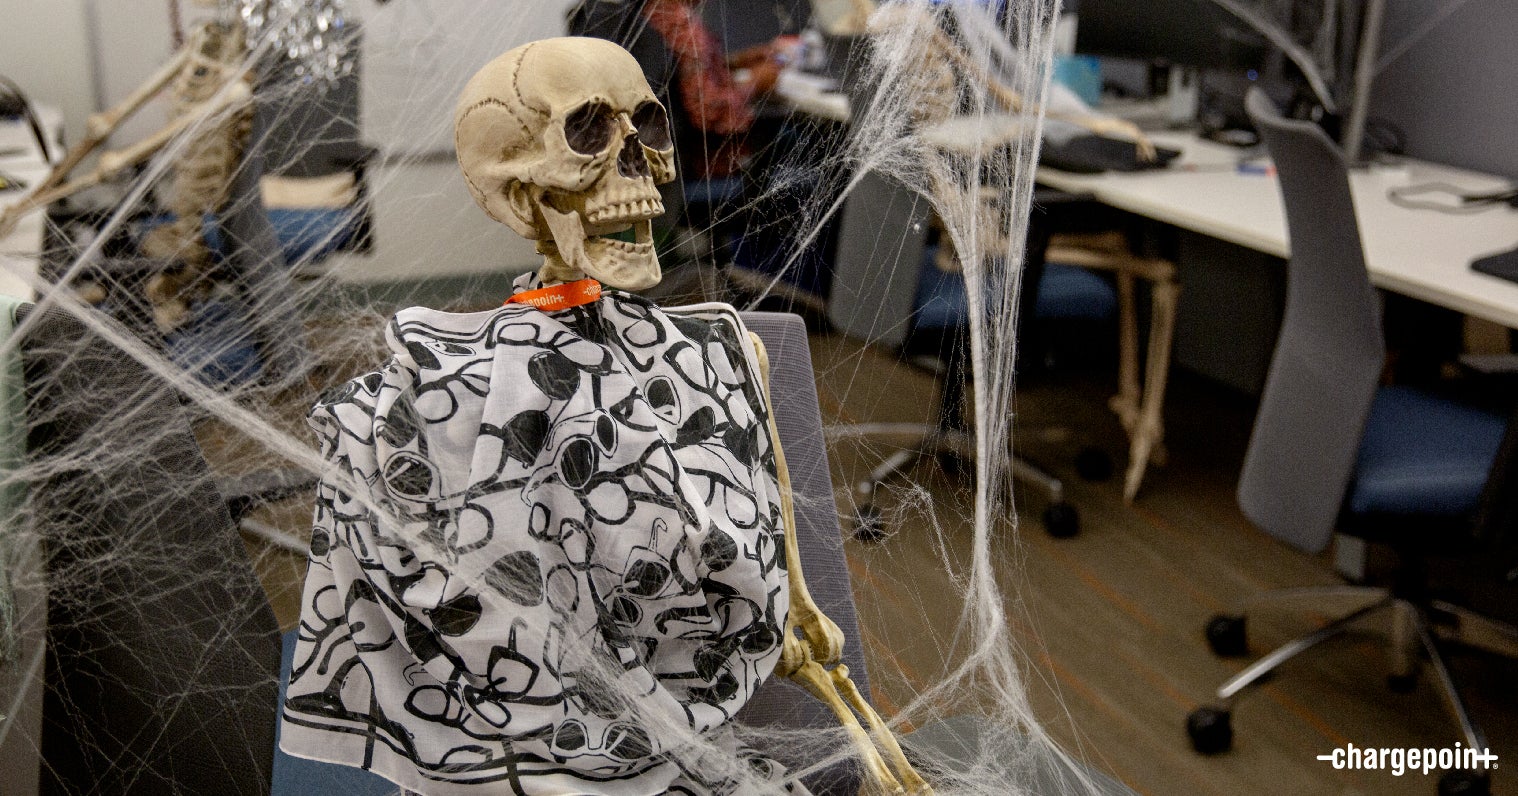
45, 48
131, 40
84, 55
419, 53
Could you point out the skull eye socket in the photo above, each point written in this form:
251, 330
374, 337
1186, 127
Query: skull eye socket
589, 128
653, 126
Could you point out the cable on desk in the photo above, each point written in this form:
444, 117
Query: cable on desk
1455, 200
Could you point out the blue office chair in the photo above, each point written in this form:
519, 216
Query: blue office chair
888, 291
1333, 449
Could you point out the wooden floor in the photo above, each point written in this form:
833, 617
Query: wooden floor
1110, 621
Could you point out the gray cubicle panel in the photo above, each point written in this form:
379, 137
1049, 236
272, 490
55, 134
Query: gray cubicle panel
880, 250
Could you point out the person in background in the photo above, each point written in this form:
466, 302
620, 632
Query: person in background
712, 97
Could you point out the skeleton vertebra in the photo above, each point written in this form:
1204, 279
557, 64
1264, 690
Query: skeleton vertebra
563, 141
203, 174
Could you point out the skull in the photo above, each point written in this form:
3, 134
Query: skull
563, 141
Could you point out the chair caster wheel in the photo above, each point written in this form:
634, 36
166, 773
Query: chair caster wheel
1062, 521
1211, 730
1227, 636
1093, 464
869, 526
1465, 783
1402, 683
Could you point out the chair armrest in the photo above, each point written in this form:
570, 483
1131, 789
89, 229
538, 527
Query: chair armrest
244, 493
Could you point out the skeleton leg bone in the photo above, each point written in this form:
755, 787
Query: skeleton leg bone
1118, 128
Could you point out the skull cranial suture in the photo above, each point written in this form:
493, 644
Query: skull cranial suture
563, 141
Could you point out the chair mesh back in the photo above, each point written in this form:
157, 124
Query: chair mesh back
1330, 352
150, 689
779, 702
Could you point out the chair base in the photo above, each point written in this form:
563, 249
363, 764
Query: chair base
951, 449
1414, 630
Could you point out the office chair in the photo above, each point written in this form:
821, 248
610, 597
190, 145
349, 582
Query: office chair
887, 291
315, 179
161, 653
1332, 449
778, 704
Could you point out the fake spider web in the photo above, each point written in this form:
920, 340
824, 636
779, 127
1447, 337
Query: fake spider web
118, 536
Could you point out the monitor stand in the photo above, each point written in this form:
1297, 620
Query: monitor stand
1183, 96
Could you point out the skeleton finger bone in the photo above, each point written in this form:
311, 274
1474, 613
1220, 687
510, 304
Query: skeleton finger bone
820, 684
883, 736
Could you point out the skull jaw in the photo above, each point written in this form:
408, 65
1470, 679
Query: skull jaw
572, 254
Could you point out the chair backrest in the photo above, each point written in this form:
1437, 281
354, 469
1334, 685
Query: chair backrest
311, 131
879, 262
780, 703
163, 649
1330, 352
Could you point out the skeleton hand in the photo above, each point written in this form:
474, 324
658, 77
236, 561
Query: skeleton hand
1121, 128
811, 659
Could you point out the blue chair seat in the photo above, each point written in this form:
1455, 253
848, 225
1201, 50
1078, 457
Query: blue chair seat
1074, 293
1066, 292
297, 776
304, 234
716, 191
1423, 455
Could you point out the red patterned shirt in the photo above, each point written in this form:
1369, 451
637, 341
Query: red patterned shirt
715, 103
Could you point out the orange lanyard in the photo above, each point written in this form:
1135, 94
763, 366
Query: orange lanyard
559, 297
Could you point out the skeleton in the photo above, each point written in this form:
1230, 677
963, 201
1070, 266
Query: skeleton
935, 67
211, 91
938, 64
563, 141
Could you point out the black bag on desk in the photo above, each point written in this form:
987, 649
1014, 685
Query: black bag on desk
1502, 266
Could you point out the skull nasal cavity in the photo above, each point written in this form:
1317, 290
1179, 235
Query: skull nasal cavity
631, 163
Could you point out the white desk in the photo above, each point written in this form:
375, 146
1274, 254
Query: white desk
1419, 253
19, 250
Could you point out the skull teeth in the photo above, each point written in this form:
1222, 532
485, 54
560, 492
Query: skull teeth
631, 248
636, 210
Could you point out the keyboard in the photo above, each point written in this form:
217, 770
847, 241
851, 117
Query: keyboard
1091, 154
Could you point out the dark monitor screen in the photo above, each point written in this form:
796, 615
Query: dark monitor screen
1194, 33
740, 24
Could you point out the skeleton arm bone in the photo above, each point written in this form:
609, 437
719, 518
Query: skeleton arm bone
824, 639
805, 661
1014, 101
113, 163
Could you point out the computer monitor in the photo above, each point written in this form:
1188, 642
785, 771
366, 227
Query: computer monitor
1186, 33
